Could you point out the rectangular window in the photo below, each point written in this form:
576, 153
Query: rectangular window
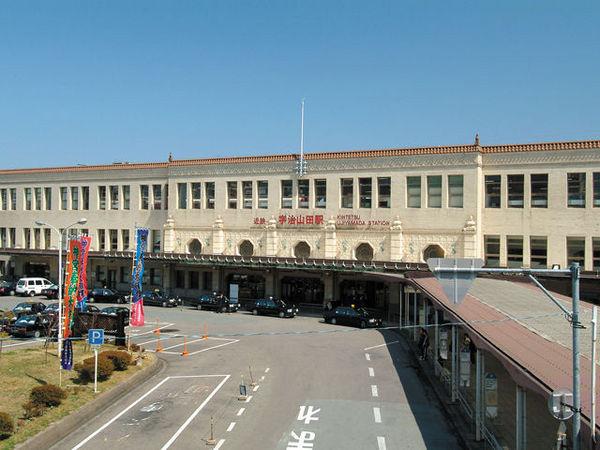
123, 274
125, 239
157, 196
85, 197
194, 280
114, 197
286, 194
64, 205
596, 253
576, 190
3, 243
74, 198
320, 193
196, 195
101, 239
384, 192
247, 194
47, 238
156, 238
576, 250
539, 252
180, 279
28, 200
492, 250
144, 194
37, 238
434, 191
514, 251
166, 196
155, 277
232, 194
413, 192
101, 197
455, 191
114, 239
4, 199
303, 193
126, 192
515, 190
347, 192
209, 189
493, 190
182, 195
263, 194
48, 198
365, 191
206, 280
12, 237
38, 198
539, 190
27, 237
596, 179
13, 199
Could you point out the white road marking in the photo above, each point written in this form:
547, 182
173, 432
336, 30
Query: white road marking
218, 446
230, 427
381, 345
381, 443
377, 414
241, 411
197, 351
374, 392
371, 372
267, 369
152, 330
368, 357
249, 398
262, 378
23, 343
256, 388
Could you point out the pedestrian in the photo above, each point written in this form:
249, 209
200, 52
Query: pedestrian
423, 343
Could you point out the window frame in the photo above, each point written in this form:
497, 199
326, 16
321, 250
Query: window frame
347, 193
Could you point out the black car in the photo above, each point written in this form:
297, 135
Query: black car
28, 308
105, 295
156, 298
52, 309
216, 302
32, 326
51, 291
273, 307
7, 287
115, 310
345, 315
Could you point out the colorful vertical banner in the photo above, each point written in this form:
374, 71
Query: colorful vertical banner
137, 276
82, 292
66, 357
71, 285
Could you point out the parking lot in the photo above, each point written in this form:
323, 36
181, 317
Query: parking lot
310, 385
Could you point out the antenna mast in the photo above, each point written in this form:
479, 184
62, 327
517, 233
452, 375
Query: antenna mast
301, 163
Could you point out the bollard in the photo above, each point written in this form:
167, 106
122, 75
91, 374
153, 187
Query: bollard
243, 391
211, 440
158, 343
252, 382
185, 352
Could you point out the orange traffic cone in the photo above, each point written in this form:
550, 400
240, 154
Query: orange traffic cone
158, 343
185, 352
205, 336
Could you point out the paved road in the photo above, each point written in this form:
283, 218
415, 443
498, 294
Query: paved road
315, 384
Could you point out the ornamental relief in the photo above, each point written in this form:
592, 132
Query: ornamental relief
555, 157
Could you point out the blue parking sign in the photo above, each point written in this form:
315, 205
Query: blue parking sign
96, 336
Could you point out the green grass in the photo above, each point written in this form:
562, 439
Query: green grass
23, 369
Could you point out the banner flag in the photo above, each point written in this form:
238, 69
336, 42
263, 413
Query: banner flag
82, 292
137, 276
66, 357
71, 285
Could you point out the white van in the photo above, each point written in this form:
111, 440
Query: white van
32, 286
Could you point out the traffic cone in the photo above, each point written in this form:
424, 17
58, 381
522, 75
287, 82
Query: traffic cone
185, 352
205, 336
158, 343
156, 330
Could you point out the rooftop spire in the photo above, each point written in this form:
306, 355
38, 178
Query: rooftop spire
477, 139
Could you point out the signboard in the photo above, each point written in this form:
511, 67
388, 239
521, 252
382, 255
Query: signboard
490, 386
443, 344
234, 290
560, 404
95, 336
342, 221
465, 368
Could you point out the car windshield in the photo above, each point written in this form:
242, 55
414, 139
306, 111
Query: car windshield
21, 283
362, 311
4, 283
52, 307
21, 306
26, 320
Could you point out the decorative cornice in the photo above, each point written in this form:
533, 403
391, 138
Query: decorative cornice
542, 157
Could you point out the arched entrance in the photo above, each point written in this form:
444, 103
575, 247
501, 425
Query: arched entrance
364, 252
195, 247
246, 248
302, 250
433, 251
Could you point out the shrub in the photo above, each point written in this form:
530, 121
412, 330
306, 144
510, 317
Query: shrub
120, 359
33, 410
86, 369
47, 395
7, 425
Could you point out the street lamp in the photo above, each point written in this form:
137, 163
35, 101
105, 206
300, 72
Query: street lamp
60, 270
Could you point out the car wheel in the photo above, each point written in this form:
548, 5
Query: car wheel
32, 294
12, 292
164, 304
255, 312
281, 314
333, 321
199, 307
363, 324
37, 334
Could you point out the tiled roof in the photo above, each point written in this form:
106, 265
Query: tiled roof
508, 148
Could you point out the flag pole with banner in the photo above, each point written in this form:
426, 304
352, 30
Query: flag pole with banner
137, 276
71, 286
82, 292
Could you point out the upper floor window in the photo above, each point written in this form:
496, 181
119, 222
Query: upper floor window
64, 205
515, 190
28, 200
101, 197
126, 196
101, 239
596, 179
286, 194
365, 190
514, 251
413, 192
247, 194
113, 237
347, 189
209, 189
539, 190
85, 197
320, 193
182, 195
384, 192
263, 194
74, 198
492, 250
576, 190
196, 195
455, 191
538, 246
232, 194
157, 196
114, 197
303, 193
434, 191
4, 201
144, 194
166, 195
13, 199
595, 253
48, 198
125, 239
156, 237
493, 190
576, 250
38, 198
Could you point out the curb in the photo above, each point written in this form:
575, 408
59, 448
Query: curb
58, 430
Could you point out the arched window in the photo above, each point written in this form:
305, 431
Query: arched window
246, 248
302, 250
364, 252
433, 251
194, 247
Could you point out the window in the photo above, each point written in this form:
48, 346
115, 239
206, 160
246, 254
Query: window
247, 194
101, 197
125, 239
27, 237
539, 190
144, 194
492, 251
595, 253
434, 191
302, 250
37, 238
493, 189
182, 195
194, 280
539, 252
114, 239
347, 191
365, 190
413, 192
196, 195
206, 280
38, 198
514, 251
576, 190
576, 250
126, 196
85, 197
12, 237
74, 198
47, 198
123, 278
209, 189
156, 235
286, 193
232, 194
64, 205
157, 196
155, 277
166, 196
195, 247
303, 193
246, 248
47, 238
364, 252
28, 200
596, 199
384, 192
515, 190
180, 279
455, 191
101, 239
263, 194
4, 199
320, 193
114, 197
13, 199
3, 242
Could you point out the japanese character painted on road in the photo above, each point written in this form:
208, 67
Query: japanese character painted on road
302, 442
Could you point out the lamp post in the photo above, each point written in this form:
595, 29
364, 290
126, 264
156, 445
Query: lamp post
60, 270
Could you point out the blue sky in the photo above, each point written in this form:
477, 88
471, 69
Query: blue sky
103, 81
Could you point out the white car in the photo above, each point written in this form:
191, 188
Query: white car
32, 286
